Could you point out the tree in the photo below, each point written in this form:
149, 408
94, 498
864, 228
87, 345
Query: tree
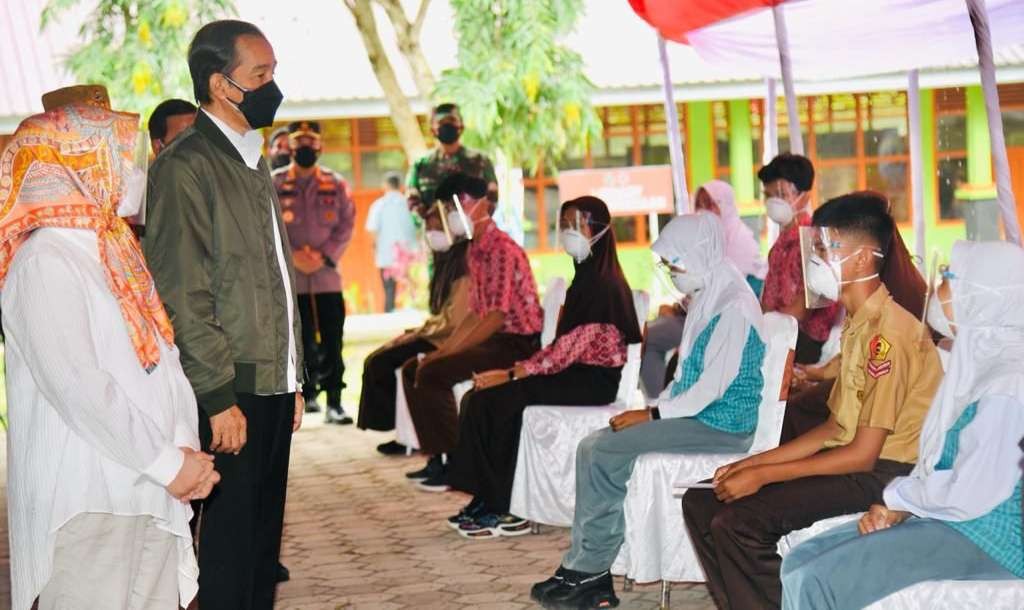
137, 48
523, 94
406, 124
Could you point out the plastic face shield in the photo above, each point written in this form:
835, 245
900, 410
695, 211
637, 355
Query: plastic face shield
818, 247
136, 177
463, 216
933, 280
443, 215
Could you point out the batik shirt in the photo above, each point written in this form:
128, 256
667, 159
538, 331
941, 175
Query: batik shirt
591, 344
503, 281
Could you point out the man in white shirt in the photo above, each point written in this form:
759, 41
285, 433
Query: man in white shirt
394, 231
103, 444
216, 243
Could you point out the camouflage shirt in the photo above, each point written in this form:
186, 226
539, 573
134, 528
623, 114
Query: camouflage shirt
430, 169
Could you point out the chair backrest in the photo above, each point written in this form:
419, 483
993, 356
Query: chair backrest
554, 296
780, 339
629, 385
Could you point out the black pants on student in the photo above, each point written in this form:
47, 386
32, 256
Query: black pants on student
377, 400
390, 287
484, 462
736, 543
241, 521
806, 410
324, 366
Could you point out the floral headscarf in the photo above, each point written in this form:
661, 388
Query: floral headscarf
66, 168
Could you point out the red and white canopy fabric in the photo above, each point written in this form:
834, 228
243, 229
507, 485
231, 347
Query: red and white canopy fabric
830, 39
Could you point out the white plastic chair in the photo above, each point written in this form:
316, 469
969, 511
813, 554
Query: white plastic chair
544, 489
405, 431
930, 595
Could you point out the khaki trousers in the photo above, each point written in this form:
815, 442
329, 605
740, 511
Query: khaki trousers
108, 562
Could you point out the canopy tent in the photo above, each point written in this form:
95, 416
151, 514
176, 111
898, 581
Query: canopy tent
829, 39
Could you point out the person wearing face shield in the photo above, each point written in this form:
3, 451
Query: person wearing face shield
663, 334
503, 326
449, 305
710, 407
449, 157
957, 515
888, 375
319, 215
221, 259
103, 436
581, 367
787, 181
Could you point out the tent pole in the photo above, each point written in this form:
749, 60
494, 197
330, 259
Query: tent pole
916, 167
796, 141
675, 141
770, 140
1001, 165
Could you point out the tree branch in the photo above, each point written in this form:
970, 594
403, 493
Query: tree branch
408, 38
421, 16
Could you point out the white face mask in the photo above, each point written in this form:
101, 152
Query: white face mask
134, 193
824, 278
455, 224
779, 210
577, 245
687, 283
437, 241
936, 317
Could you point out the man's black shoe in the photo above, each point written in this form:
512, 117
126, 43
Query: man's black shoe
392, 448
433, 468
541, 589
283, 575
583, 591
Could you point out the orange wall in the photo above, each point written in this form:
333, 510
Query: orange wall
359, 276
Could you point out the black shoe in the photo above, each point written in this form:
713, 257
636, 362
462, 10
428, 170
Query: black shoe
337, 415
392, 448
283, 575
471, 511
540, 590
580, 590
433, 467
436, 483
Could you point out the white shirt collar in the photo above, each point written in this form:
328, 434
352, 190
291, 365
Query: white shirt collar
250, 145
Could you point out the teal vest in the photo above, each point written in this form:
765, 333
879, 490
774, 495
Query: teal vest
997, 533
736, 411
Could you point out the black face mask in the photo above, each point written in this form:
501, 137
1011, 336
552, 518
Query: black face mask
259, 105
305, 156
448, 133
279, 160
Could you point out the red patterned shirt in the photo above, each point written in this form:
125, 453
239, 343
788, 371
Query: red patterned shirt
503, 281
593, 344
785, 283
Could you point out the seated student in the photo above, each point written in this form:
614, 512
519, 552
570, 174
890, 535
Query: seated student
807, 406
889, 373
449, 305
502, 327
582, 367
710, 407
741, 248
787, 181
958, 515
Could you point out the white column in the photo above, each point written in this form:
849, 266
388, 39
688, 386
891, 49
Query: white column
1001, 165
770, 141
675, 141
916, 167
796, 141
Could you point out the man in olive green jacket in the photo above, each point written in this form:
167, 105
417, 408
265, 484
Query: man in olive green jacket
216, 245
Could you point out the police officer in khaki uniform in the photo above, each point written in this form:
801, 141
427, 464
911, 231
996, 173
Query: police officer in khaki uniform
320, 216
449, 157
889, 370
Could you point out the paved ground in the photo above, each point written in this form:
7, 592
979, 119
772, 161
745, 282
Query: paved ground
358, 536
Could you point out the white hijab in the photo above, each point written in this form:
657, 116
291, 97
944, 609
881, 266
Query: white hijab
740, 246
987, 358
697, 243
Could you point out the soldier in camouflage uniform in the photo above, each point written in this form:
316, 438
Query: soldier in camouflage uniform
449, 157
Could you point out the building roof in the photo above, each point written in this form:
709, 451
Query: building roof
324, 72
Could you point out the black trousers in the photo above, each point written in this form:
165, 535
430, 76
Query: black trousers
390, 286
806, 410
377, 400
324, 366
484, 462
808, 350
736, 543
241, 521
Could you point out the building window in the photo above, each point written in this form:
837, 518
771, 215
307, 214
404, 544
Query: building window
950, 149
